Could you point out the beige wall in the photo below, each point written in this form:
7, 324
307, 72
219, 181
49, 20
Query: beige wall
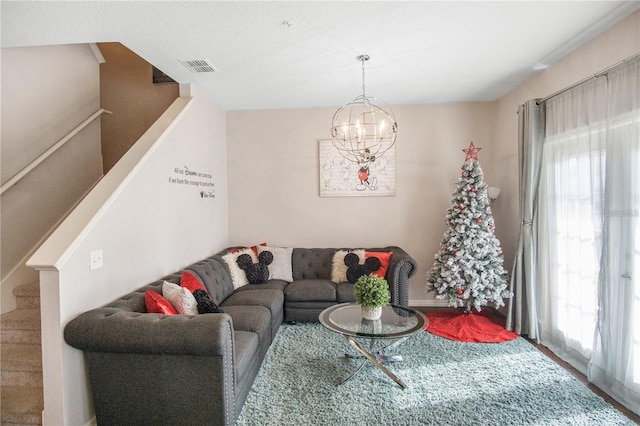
127, 89
274, 181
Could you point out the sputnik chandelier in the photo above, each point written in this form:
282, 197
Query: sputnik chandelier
362, 130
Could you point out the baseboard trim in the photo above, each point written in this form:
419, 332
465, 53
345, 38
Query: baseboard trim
429, 303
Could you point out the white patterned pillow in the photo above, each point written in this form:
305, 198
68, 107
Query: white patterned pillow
238, 276
339, 269
280, 268
180, 298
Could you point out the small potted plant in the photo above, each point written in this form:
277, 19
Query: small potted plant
372, 293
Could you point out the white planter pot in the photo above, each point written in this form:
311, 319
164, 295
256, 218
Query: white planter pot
373, 313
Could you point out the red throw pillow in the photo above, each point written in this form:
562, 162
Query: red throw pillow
254, 248
156, 304
384, 257
190, 282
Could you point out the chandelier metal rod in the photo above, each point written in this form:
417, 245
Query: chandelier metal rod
363, 58
363, 95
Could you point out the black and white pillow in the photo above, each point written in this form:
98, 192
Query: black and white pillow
205, 304
280, 268
238, 277
338, 267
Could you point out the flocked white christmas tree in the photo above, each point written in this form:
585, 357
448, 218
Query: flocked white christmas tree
468, 268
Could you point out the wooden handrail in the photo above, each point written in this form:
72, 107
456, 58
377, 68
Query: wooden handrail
35, 163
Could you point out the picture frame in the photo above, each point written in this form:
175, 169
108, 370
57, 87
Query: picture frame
340, 177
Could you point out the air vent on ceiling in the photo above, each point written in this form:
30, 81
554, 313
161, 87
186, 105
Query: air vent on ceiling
199, 65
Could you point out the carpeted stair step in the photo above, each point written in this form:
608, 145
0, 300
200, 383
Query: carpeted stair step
27, 296
20, 326
21, 393
21, 365
21, 405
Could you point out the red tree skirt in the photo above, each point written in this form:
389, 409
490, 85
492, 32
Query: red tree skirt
475, 327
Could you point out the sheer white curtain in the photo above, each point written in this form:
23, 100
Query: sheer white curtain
615, 364
570, 220
588, 285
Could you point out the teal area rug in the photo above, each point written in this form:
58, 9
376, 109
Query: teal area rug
449, 383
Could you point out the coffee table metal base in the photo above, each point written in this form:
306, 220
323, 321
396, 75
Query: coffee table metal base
374, 359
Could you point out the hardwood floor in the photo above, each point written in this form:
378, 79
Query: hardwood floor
578, 375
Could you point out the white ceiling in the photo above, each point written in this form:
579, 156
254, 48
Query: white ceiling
422, 52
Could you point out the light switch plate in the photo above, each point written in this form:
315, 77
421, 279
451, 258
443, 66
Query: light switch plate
95, 260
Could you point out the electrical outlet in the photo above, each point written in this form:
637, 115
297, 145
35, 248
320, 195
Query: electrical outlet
95, 260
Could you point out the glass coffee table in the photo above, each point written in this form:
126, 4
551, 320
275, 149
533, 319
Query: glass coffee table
395, 325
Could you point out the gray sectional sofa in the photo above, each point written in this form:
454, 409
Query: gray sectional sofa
198, 369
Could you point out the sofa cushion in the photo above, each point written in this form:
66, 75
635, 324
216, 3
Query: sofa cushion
280, 268
305, 311
269, 285
156, 304
270, 299
312, 263
344, 293
310, 290
214, 274
251, 318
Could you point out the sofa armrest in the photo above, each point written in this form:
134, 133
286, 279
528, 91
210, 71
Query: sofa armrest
401, 267
157, 369
115, 330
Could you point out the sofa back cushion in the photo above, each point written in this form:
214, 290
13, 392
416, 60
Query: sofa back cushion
214, 274
312, 263
135, 301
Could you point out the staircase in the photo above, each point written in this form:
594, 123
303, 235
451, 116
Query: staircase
21, 392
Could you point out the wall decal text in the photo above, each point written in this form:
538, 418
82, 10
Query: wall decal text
187, 176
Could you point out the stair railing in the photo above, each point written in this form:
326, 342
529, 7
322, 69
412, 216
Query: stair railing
35, 163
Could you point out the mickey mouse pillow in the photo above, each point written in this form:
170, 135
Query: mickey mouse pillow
257, 273
355, 270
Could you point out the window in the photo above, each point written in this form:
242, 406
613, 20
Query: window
589, 232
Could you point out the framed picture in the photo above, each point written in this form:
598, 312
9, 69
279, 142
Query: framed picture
340, 177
